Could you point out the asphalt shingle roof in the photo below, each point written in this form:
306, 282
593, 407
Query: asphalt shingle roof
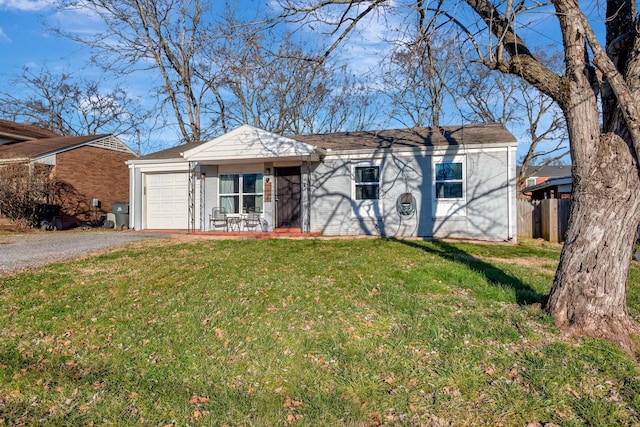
24, 131
381, 139
38, 147
171, 153
410, 138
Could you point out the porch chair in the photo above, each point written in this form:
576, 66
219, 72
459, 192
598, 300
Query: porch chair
218, 218
252, 220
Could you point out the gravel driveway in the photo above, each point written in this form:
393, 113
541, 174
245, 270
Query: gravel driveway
23, 251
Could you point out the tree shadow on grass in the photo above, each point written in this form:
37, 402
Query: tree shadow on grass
525, 295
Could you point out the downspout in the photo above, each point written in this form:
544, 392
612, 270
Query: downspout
132, 197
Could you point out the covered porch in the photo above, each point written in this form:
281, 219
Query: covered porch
254, 181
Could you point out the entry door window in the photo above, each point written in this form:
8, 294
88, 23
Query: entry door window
241, 192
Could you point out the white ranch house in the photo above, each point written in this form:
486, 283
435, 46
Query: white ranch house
448, 182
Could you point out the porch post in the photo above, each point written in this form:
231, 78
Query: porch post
191, 226
306, 198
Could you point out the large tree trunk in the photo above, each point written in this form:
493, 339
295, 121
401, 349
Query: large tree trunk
589, 290
588, 296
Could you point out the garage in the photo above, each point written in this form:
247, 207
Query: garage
167, 201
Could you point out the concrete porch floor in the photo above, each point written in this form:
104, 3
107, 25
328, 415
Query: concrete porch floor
278, 233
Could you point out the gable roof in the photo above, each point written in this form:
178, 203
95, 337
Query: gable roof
445, 136
21, 131
239, 144
248, 142
37, 148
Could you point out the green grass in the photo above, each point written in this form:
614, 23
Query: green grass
306, 332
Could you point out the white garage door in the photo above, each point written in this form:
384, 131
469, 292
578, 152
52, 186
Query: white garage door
167, 201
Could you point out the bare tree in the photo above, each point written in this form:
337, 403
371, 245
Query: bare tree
589, 290
41, 98
545, 130
68, 105
266, 79
487, 96
163, 36
217, 71
417, 77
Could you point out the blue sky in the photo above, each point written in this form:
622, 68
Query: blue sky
24, 40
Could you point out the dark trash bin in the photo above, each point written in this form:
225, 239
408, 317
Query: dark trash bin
121, 212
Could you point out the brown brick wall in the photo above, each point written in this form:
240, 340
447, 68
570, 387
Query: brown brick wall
86, 173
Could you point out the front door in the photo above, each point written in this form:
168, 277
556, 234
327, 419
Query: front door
288, 197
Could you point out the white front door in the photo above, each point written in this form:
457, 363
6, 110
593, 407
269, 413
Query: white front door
167, 196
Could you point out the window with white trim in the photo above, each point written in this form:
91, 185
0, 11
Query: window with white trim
241, 193
531, 182
367, 182
449, 180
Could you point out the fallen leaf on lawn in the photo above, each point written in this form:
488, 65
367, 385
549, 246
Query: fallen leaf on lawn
292, 403
375, 419
195, 399
575, 393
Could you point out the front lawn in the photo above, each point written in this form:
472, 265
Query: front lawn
303, 332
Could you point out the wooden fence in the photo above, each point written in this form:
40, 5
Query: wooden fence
546, 219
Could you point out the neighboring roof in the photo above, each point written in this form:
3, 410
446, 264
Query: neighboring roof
23, 131
551, 182
411, 138
550, 171
33, 149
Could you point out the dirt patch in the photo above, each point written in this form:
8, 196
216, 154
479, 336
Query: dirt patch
539, 264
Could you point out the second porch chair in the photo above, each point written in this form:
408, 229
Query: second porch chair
252, 220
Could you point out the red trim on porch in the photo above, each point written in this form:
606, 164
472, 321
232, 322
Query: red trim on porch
292, 233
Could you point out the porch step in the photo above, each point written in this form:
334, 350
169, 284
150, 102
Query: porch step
287, 230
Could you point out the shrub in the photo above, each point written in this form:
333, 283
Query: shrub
25, 191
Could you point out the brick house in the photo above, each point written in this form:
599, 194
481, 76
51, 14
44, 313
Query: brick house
537, 175
84, 167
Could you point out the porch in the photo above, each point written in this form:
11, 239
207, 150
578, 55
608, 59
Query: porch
278, 233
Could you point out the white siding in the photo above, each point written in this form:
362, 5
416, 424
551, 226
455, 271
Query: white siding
484, 213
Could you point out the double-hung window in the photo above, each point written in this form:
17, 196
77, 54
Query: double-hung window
449, 184
241, 193
367, 182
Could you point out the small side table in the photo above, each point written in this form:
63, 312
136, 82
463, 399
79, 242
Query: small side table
233, 223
